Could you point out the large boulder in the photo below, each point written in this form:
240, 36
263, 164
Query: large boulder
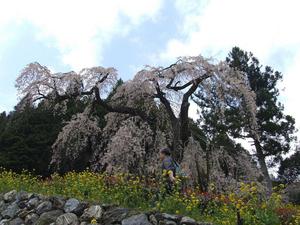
80, 209
32, 203
4, 222
67, 219
16, 221
21, 204
93, 212
166, 216
22, 196
140, 219
49, 217
10, 196
31, 218
114, 216
153, 219
11, 211
187, 221
44, 207
23, 213
3, 206
71, 205
58, 202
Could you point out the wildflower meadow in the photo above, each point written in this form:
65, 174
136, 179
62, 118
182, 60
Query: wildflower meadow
247, 205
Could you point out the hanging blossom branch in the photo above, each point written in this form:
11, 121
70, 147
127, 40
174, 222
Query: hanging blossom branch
39, 83
75, 137
173, 86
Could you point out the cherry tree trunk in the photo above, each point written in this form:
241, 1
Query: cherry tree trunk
181, 128
177, 151
181, 135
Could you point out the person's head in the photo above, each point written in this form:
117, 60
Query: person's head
163, 153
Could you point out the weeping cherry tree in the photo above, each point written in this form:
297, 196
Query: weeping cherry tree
169, 87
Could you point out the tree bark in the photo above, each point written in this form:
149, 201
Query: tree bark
177, 152
123, 109
208, 152
177, 144
262, 163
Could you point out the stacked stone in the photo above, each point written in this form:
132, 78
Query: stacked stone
22, 208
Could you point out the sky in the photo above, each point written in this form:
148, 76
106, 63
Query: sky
69, 35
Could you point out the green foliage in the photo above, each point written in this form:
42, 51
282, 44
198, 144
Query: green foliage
275, 128
3, 121
289, 170
198, 134
26, 141
114, 90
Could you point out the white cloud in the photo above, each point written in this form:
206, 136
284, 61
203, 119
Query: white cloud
252, 24
291, 91
212, 28
79, 29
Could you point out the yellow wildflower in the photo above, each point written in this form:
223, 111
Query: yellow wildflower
93, 221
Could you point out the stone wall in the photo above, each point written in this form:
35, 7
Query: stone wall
18, 208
